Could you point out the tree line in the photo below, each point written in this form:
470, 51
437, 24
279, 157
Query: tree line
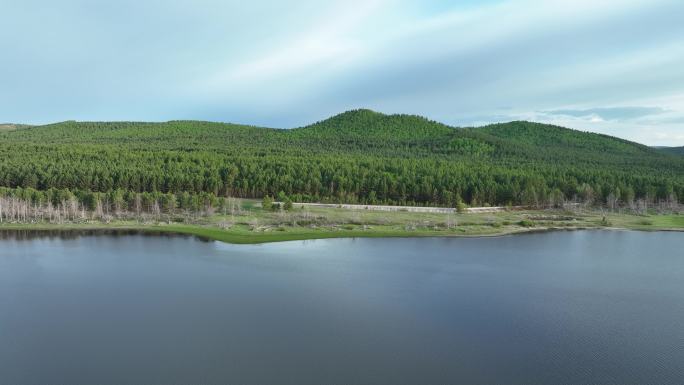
62, 205
357, 157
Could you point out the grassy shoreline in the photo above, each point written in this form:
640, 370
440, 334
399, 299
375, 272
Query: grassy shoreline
340, 223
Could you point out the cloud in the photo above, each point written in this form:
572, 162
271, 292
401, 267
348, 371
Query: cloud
609, 113
583, 63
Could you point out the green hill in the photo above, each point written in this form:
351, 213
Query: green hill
357, 156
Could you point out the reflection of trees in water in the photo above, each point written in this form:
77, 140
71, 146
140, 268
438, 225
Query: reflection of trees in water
27, 235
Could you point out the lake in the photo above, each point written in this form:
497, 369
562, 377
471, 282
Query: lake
584, 307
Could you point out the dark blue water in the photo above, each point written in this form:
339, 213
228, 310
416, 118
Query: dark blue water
556, 308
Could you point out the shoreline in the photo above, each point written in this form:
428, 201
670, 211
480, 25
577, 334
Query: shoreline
231, 237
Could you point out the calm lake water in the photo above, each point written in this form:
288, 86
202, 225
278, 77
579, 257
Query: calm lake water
587, 307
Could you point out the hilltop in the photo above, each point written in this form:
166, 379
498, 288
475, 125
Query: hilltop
359, 156
367, 124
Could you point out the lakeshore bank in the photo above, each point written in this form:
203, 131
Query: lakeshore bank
259, 226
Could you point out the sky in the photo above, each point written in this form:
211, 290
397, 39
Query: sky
608, 66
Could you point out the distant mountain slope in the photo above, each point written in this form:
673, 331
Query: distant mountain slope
357, 156
125, 131
11, 126
671, 150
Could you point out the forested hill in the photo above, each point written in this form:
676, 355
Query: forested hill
357, 156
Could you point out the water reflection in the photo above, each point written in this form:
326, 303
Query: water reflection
72, 234
556, 308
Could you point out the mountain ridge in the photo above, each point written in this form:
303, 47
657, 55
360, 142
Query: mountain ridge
367, 122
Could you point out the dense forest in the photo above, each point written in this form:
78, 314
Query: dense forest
359, 156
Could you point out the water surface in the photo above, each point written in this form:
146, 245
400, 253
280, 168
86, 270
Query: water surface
595, 307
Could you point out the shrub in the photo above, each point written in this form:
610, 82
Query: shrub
267, 203
605, 222
287, 204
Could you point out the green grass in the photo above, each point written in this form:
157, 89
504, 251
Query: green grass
669, 221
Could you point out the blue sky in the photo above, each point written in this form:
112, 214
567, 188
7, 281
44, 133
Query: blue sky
610, 66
